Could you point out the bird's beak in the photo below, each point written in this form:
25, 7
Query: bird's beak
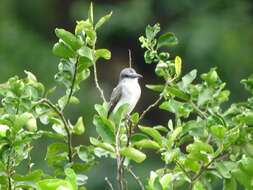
138, 75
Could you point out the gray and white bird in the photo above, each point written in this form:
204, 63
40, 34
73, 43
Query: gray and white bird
128, 91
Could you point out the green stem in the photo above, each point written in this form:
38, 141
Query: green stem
66, 126
73, 82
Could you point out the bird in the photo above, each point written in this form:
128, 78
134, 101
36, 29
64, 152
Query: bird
127, 91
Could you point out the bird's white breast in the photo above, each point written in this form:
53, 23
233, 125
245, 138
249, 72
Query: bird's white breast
131, 93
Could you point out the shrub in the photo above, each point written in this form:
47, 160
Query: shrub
202, 145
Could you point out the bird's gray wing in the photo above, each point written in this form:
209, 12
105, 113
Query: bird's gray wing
115, 97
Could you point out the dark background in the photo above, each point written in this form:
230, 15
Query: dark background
212, 33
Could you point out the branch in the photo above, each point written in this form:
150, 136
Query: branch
119, 161
157, 101
136, 178
65, 123
182, 168
73, 82
109, 183
130, 58
201, 113
97, 84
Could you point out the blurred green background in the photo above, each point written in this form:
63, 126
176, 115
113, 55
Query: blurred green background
211, 33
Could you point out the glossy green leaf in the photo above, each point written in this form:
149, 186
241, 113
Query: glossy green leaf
79, 127
103, 20
86, 52
104, 128
155, 87
146, 143
173, 90
153, 133
103, 53
62, 50
54, 184
133, 154
68, 38
167, 40
229, 184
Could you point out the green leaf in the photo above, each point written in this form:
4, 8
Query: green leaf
101, 109
103, 53
57, 153
173, 136
153, 133
211, 77
120, 114
247, 118
167, 40
86, 52
62, 50
105, 146
229, 184
152, 31
155, 87
54, 184
198, 186
171, 155
166, 181
147, 143
34, 176
173, 90
178, 65
79, 127
204, 97
71, 177
224, 168
68, 38
247, 165
133, 154
243, 178
64, 100
189, 78
103, 20
90, 13
157, 185
104, 128
3, 130
138, 137
218, 131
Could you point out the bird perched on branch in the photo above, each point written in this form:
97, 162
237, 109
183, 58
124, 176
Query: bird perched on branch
127, 91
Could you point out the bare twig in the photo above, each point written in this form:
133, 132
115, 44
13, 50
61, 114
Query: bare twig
136, 178
97, 84
119, 161
109, 183
130, 58
157, 101
65, 123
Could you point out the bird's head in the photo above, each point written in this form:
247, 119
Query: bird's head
129, 73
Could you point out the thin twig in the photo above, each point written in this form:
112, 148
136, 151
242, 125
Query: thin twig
130, 58
182, 168
9, 172
97, 84
73, 81
200, 112
109, 183
157, 101
119, 161
65, 123
136, 178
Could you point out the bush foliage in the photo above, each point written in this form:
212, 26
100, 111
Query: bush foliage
204, 144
